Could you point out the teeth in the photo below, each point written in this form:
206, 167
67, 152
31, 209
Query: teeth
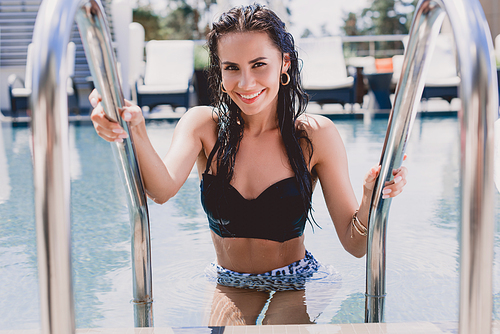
248, 97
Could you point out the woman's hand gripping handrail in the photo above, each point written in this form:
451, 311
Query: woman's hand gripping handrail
50, 145
102, 63
478, 92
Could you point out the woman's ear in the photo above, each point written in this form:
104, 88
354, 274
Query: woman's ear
286, 62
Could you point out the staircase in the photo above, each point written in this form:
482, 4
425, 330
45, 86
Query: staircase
17, 20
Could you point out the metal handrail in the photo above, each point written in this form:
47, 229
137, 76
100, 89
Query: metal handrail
51, 166
479, 95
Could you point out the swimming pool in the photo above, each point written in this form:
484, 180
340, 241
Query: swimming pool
422, 247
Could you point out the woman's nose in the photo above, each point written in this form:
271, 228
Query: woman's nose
246, 81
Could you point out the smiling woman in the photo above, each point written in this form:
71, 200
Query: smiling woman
253, 84
258, 158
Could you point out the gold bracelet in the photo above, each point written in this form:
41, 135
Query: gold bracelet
361, 229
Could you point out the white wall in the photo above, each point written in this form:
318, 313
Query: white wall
121, 10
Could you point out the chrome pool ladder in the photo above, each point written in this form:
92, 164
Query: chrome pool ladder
479, 96
51, 159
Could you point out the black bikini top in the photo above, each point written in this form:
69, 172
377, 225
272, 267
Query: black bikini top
276, 214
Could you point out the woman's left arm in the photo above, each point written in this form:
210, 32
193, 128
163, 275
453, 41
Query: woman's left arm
329, 163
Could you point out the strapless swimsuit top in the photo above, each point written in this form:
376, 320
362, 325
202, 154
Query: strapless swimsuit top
276, 214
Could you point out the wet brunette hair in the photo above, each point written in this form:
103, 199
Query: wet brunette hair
292, 100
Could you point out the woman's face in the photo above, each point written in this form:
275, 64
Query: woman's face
251, 68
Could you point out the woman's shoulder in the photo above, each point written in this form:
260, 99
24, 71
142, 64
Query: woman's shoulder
316, 125
199, 117
324, 136
201, 113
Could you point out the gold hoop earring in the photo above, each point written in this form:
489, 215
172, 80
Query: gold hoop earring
287, 79
222, 88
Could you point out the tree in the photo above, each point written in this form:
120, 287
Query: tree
383, 17
188, 19
181, 23
183, 20
387, 17
149, 20
307, 33
350, 27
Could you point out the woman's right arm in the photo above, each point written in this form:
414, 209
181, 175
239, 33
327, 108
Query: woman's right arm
162, 178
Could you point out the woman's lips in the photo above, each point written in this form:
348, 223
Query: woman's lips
249, 98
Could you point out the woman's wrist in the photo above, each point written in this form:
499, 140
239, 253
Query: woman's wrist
138, 131
364, 210
357, 226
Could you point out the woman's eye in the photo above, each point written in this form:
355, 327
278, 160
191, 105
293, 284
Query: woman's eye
231, 68
259, 64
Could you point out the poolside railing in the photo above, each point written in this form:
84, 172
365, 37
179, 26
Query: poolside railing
479, 96
478, 92
51, 159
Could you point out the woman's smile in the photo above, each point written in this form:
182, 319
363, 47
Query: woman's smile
250, 98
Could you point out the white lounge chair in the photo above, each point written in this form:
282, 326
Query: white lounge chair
442, 79
168, 73
397, 67
367, 63
324, 73
20, 90
397, 63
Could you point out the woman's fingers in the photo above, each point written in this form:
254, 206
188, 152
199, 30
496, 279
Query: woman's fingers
371, 177
108, 130
391, 188
94, 98
132, 114
395, 187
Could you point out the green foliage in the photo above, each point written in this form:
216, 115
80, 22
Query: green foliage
182, 23
150, 21
386, 17
383, 17
200, 57
184, 20
350, 27
307, 33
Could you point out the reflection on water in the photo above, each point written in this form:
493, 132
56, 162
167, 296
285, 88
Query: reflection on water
496, 306
5, 187
18, 260
352, 309
100, 225
422, 247
187, 201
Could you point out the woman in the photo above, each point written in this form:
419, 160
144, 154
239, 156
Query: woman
259, 157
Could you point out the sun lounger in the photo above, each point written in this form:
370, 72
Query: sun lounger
168, 73
324, 73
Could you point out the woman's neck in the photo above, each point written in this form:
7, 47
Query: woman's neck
260, 123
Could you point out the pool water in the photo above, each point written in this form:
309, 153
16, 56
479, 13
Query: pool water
422, 248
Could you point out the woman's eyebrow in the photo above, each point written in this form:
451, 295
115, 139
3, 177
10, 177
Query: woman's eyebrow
253, 61
228, 63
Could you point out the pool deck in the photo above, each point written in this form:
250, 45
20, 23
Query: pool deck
383, 328
433, 107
